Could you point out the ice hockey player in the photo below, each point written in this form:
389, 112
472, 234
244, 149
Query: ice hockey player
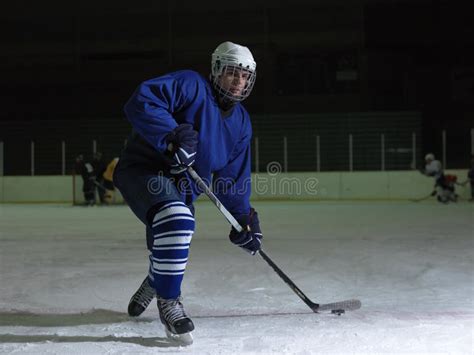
86, 170
470, 178
444, 184
179, 120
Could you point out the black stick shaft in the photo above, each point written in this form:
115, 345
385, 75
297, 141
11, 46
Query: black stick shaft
238, 227
288, 281
202, 185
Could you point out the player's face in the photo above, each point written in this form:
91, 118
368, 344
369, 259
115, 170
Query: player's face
234, 80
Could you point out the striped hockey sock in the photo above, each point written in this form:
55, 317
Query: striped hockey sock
172, 228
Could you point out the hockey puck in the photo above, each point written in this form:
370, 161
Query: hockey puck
338, 311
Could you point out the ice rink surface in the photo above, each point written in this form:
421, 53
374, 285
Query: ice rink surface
67, 274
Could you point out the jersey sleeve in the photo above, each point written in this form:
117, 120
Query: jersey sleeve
151, 107
232, 184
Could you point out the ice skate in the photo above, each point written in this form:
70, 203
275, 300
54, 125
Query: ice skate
177, 324
141, 299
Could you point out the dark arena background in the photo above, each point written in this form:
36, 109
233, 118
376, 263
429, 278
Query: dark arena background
349, 99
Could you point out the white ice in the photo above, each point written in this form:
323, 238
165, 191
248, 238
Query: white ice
67, 274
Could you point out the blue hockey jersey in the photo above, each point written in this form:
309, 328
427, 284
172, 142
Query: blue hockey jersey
160, 104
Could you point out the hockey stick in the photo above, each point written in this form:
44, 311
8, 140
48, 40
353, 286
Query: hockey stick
433, 193
100, 186
464, 183
336, 307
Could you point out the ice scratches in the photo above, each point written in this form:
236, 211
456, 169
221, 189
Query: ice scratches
250, 315
161, 342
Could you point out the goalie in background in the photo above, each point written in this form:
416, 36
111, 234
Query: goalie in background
444, 187
108, 182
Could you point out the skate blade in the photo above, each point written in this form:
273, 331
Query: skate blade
181, 339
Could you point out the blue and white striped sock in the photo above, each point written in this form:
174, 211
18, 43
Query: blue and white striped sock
172, 228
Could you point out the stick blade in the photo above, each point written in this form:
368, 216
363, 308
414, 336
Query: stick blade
347, 305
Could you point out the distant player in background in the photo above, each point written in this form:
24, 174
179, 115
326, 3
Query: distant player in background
86, 170
179, 120
98, 163
470, 178
444, 184
108, 182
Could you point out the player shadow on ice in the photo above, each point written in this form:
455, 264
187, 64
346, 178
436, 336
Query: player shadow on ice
160, 342
96, 316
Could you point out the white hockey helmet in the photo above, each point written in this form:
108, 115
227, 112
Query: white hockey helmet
429, 156
238, 57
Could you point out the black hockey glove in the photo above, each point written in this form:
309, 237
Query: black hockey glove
182, 145
250, 237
